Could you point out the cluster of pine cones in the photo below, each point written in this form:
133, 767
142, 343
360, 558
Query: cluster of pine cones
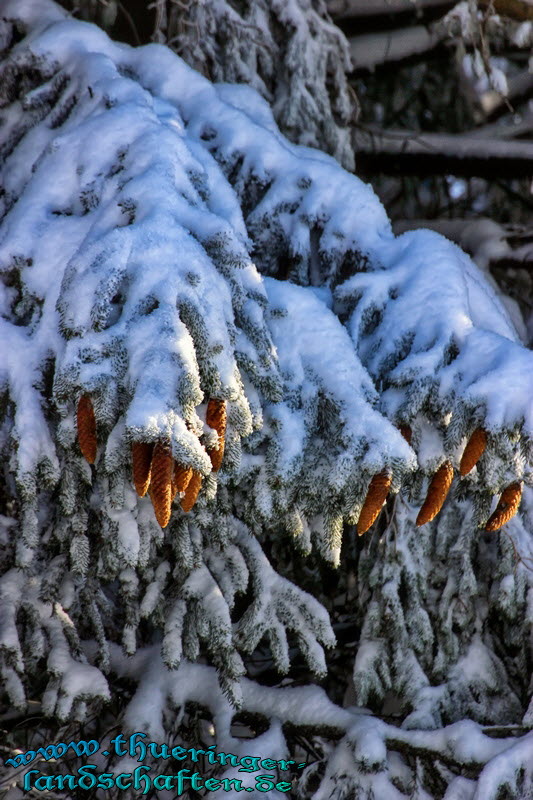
156, 472
154, 469
439, 487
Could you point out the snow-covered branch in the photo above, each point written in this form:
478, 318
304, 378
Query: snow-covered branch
189, 300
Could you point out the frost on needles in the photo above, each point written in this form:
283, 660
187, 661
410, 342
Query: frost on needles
287, 50
163, 246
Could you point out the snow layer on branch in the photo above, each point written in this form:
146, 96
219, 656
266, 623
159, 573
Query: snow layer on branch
130, 306
325, 440
295, 210
289, 51
429, 316
136, 193
417, 300
445, 627
371, 757
139, 290
280, 607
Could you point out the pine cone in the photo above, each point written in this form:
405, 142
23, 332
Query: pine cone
216, 418
506, 508
142, 453
473, 451
180, 478
437, 491
191, 492
87, 428
375, 497
161, 482
406, 432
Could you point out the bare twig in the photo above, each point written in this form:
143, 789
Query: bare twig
131, 23
519, 558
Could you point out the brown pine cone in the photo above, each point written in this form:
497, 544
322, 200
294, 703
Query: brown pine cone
191, 492
437, 491
216, 418
142, 453
217, 455
406, 432
161, 482
375, 497
180, 478
87, 428
473, 451
506, 508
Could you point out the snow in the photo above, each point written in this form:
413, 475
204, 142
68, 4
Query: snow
523, 35
70, 680
460, 789
146, 271
280, 606
137, 148
505, 769
91, 157
301, 318
11, 586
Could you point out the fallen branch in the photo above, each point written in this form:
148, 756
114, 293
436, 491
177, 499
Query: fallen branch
508, 127
350, 9
448, 744
303, 708
408, 152
372, 49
